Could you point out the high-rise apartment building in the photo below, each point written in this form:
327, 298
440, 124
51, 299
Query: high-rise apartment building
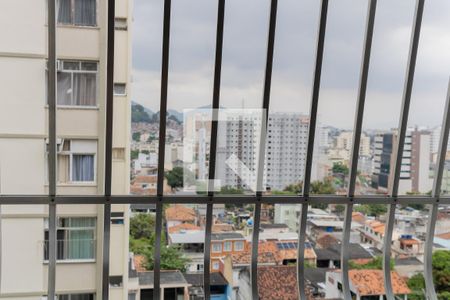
81, 92
415, 168
286, 143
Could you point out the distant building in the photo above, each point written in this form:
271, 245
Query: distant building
287, 135
415, 169
365, 284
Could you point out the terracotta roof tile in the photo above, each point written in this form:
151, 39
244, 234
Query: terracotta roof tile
145, 179
326, 240
244, 258
277, 282
445, 236
180, 213
371, 282
222, 227
358, 217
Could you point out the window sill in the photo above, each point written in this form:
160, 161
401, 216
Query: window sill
71, 184
72, 26
75, 107
72, 261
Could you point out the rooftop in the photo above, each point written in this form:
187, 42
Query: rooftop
183, 227
196, 279
220, 236
270, 286
180, 213
173, 278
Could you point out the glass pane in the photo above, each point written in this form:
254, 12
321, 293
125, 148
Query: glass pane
79, 247
277, 251
142, 146
441, 252
338, 95
324, 237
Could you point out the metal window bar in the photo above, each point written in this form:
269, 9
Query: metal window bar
161, 148
52, 160
436, 192
415, 35
108, 148
262, 146
345, 255
305, 199
213, 147
309, 154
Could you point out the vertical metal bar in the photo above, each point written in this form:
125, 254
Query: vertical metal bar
436, 192
161, 147
345, 254
309, 154
262, 146
51, 86
108, 147
400, 145
213, 147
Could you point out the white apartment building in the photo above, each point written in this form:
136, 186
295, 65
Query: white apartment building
81, 94
345, 139
286, 144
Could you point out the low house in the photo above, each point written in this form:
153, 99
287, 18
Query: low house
219, 286
178, 214
331, 257
192, 244
365, 285
223, 244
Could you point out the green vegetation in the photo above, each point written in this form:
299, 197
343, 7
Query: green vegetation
175, 177
374, 264
136, 136
339, 168
138, 114
374, 210
142, 241
441, 278
134, 154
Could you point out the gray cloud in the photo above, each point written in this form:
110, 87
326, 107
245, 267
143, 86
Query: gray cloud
192, 55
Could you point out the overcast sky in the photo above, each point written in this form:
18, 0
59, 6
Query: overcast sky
245, 38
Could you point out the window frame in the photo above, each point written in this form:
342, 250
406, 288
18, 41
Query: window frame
62, 70
72, 16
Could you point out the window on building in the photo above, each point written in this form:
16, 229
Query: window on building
215, 265
115, 281
227, 246
121, 24
77, 83
75, 238
238, 246
216, 247
76, 297
77, 12
76, 161
120, 89
117, 218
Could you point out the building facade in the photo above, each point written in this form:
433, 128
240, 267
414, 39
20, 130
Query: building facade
81, 92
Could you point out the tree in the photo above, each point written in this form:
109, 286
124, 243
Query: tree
322, 187
171, 259
374, 210
441, 277
134, 154
417, 286
141, 226
175, 177
339, 168
294, 188
142, 241
136, 136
